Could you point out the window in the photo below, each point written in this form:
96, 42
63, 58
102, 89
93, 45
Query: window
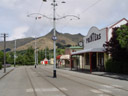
100, 59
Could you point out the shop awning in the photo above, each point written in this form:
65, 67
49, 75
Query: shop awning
89, 50
65, 57
58, 57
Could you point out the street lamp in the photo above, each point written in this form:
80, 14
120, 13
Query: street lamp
54, 38
15, 53
35, 54
54, 4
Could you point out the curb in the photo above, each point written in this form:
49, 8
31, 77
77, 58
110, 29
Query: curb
6, 73
120, 78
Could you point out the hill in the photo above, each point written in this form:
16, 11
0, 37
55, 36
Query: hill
20, 42
44, 41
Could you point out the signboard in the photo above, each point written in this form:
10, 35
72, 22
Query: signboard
54, 38
95, 38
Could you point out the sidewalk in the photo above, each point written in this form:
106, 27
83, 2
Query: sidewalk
112, 75
8, 70
105, 74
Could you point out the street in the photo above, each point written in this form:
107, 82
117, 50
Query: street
30, 81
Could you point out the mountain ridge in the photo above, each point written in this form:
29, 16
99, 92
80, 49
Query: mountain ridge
44, 41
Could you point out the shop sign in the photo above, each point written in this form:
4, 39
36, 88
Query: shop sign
93, 37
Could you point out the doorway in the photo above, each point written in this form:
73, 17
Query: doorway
93, 60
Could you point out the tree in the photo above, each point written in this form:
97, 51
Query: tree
118, 51
29, 56
1, 57
123, 36
10, 58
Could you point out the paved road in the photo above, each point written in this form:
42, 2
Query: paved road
28, 81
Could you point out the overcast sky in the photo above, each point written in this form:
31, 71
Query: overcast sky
99, 13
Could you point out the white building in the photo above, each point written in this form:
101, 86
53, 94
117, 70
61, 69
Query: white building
93, 55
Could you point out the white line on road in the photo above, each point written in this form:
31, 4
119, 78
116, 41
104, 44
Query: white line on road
96, 91
105, 90
46, 89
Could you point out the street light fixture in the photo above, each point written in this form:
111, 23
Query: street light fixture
54, 38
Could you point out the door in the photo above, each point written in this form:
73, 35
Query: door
93, 60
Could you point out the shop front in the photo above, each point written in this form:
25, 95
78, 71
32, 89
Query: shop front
93, 56
91, 60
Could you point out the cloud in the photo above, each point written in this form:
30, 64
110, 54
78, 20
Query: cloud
18, 32
101, 14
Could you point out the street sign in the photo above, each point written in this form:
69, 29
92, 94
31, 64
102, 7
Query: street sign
54, 38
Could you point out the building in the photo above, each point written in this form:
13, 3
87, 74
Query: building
64, 60
93, 54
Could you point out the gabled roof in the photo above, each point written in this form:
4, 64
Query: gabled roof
112, 25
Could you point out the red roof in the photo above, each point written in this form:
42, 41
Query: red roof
58, 57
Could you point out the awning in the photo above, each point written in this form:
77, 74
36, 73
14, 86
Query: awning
58, 57
89, 50
65, 57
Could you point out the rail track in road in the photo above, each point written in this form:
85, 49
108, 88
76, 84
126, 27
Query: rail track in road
60, 74
44, 78
34, 91
94, 81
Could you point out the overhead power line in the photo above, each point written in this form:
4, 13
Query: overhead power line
92, 5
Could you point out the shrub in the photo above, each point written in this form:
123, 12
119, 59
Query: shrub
109, 65
125, 68
114, 66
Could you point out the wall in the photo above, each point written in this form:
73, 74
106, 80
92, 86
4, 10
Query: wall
95, 38
118, 24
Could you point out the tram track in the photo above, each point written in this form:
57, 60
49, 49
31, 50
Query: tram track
34, 91
44, 78
87, 84
79, 83
94, 81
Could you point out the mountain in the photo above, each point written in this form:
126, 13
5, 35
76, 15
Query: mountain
44, 41
19, 42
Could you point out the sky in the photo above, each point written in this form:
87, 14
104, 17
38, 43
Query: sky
15, 22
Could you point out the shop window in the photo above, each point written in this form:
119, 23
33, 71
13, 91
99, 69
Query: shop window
101, 59
87, 58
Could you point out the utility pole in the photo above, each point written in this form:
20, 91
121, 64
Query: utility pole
4, 35
54, 38
45, 53
15, 53
37, 56
35, 53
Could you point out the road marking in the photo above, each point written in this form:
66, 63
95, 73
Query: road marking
118, 86
37, 89
103, 95
96, 91
105, 90
63, 89
29, 90
49, 89
46, 89
107, 86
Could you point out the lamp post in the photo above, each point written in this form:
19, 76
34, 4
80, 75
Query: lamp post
4, 35
15, 53
54, 38
35, 54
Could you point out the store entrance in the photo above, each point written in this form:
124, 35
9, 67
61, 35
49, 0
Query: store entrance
93, 59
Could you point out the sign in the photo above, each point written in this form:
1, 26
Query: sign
80, 44
93, 37
54, 38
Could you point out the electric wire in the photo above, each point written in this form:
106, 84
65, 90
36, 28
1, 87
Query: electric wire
89, 7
